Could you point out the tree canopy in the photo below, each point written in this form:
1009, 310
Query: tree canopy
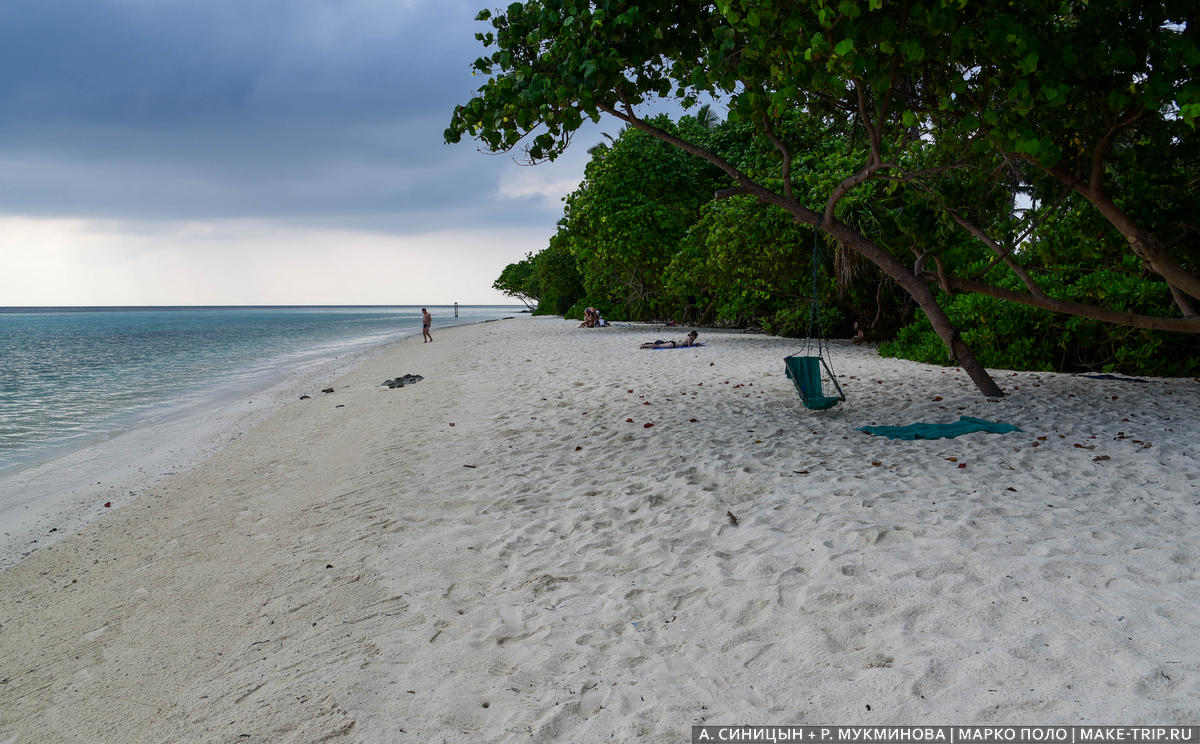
1004, 140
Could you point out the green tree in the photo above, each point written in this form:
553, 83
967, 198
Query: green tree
557, 275
949, 105
520, 280
638, 198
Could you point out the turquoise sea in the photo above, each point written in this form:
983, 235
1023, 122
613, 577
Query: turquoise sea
72, 376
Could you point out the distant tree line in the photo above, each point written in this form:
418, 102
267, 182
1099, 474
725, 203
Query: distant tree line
999, 183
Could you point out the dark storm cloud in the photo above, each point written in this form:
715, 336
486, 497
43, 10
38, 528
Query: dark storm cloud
242, 108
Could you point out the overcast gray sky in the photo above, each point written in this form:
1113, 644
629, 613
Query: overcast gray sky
254, 152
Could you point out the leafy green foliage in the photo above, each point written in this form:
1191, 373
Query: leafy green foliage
1013, 336
557, 276
638, 198
519, 280
997, 146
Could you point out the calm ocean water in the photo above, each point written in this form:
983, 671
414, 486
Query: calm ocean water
71, 376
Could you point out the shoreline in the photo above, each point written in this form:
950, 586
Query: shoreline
57, 495
45, 501
506, 550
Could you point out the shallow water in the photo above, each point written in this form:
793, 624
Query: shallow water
72, 376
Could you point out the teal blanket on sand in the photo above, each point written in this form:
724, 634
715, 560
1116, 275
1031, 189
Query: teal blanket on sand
964, 425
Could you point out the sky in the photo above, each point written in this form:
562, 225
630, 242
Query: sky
197, 152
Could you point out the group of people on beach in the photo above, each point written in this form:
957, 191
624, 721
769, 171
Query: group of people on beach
592, 319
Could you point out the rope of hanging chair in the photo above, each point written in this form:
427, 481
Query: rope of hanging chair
805, 370
814, 311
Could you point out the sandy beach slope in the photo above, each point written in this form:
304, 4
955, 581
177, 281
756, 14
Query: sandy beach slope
534, 543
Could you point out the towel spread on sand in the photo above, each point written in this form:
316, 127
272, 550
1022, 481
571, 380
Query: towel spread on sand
964, 425
1114, 377
675, 347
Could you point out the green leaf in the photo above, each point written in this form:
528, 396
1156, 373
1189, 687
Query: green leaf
912, 51
844, 47
1028, 145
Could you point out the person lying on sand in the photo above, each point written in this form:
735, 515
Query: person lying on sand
689, 340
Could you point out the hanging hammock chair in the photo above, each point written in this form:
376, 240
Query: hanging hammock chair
806, 368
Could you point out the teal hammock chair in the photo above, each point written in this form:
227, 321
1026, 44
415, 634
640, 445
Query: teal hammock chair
805, 368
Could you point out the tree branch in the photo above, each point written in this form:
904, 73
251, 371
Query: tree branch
746, 185
849, 184
1104, 144
865, 119
1142, 242
1078, 309
787, 158
1002, 253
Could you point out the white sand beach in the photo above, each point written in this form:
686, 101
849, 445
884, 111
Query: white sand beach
534, 543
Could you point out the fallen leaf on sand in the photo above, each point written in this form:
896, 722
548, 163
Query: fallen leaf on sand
107, 504
629, 421
952, 459
962, 464
800, 472
647, 425
1101, 457
578, 448
732, 519
693, 420
876, 463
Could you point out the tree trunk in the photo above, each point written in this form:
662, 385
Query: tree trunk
926, 300
914, 285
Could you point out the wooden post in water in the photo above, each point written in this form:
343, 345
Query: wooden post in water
456, 309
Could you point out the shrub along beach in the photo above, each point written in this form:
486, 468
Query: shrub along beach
557, 536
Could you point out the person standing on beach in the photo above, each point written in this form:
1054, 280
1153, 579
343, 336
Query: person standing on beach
426, 319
